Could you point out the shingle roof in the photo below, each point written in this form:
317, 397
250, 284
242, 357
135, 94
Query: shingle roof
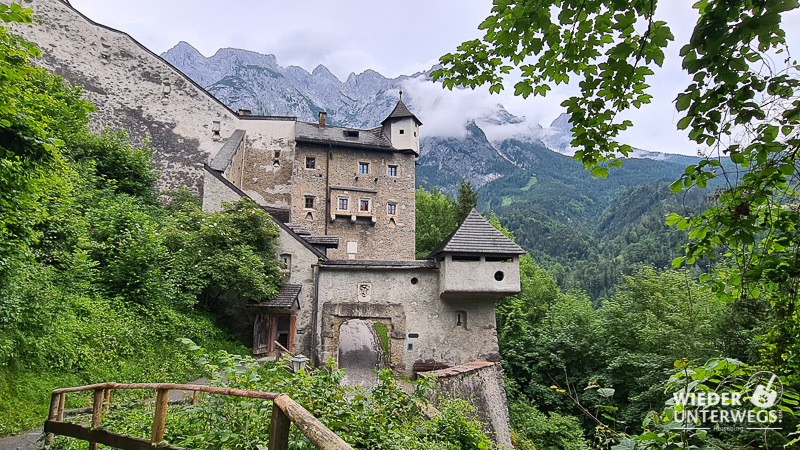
286, 298
476, 235
311, 132
361, 264
323, 240
299, 228
400, 111
227, 152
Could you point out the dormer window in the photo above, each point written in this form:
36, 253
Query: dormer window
351, 133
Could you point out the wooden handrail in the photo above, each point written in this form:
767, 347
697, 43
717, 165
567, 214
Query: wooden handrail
285, 411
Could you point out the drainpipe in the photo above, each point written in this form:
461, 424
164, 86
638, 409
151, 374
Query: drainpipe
327, 189
244, 149
315, 329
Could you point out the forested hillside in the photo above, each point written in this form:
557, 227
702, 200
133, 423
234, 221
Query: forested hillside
99, 276
590, 231
570, 362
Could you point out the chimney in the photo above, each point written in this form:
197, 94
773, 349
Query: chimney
322, 115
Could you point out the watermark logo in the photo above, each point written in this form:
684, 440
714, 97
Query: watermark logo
767, 389
732, 411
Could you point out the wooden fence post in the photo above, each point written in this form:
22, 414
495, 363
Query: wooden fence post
54, 401
61, 400
97, 409
162, 399
279, 429
107, 400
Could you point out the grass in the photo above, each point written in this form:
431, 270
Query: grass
383, 334
530, 184
25, 393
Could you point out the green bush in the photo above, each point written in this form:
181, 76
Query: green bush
385, 418
545, 431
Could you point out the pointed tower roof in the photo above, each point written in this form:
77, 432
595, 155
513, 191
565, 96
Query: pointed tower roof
400, 111
476, 235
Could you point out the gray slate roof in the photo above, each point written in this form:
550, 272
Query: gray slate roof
362, 264
227, 152
323, 240
286, 297
400, 111
476, 235
298, 228
311, 132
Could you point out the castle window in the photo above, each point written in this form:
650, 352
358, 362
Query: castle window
461, 319
286, 259
310, 202
311, 162
402, 131
342, 204
363, 205
391, 209
277, 154
363, 168
391, 171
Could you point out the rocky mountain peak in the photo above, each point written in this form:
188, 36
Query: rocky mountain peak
562, 122
322, 72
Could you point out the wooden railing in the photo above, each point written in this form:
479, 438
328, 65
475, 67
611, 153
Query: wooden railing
285, 412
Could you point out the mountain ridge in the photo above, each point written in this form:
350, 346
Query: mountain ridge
244, 79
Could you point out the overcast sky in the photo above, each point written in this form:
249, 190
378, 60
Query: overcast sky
392, 38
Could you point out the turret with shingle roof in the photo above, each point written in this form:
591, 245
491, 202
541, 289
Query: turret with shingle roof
477, 236
401, 126
401, 110
477, 261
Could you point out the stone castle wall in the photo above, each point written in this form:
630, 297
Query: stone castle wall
132, 89
481, 385
390, 236
424, 328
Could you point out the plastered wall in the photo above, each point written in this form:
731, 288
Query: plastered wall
424, 327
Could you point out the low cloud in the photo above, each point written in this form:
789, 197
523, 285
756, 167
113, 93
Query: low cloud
445, 113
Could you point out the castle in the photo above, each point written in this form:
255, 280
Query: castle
343, 199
